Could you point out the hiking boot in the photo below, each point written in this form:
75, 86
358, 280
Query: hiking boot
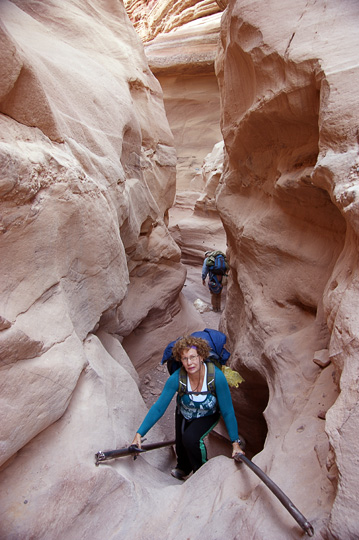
179, 474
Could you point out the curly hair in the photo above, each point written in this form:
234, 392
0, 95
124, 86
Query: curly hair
188, 342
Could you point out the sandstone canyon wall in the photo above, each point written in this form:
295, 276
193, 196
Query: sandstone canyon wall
89, 269
181, 43
288, 83
87, 178
288, 77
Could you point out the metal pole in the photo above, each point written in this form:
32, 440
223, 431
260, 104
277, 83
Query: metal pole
132, 450
286, 502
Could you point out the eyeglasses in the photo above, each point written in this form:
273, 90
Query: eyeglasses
191, 358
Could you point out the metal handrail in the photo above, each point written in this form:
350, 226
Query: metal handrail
286, 502
131, 450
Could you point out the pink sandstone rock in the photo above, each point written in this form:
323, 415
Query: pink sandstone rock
87, 178
183, 61
156, 18
288, 205
87, 182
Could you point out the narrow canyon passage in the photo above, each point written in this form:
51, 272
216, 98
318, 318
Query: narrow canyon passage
195, 231
193, 108
281, 225
134, 136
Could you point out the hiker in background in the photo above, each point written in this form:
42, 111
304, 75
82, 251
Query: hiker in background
203, 395
215, 266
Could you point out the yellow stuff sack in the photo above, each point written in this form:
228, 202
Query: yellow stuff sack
234, 379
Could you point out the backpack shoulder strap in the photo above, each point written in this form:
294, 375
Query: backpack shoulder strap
211, 385
182, 382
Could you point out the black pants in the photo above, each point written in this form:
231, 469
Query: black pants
190, 449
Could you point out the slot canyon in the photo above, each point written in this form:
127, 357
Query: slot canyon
134, 137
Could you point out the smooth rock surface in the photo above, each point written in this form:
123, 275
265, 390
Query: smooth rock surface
91, 277
87, 178
182, 58
288, 204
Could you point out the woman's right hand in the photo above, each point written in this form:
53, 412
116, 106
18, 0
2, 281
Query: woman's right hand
137, 440
236, 449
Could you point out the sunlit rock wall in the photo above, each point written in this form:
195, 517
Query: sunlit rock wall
87, 177
288, 77
181, 42
157, 17
183, 62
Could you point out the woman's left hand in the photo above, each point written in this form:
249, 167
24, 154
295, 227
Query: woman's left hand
236, 449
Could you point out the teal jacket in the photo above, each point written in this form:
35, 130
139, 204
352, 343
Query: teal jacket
171, 387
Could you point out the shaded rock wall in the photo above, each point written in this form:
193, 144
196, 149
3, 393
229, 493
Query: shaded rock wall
181, 51
193, 110
288, 204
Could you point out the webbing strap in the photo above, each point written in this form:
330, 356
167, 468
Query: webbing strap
210, 378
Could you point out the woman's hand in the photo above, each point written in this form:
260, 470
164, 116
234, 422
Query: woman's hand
137, 440
236, 449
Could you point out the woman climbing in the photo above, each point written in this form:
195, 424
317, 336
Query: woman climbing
203, 396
